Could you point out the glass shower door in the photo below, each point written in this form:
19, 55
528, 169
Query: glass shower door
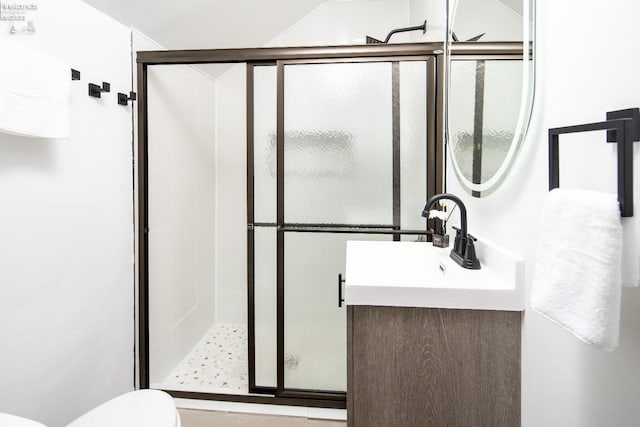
340, 174
315, 329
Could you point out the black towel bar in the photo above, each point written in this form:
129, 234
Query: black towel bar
623, 128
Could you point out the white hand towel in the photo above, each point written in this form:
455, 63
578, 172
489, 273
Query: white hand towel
577, 278
34, 92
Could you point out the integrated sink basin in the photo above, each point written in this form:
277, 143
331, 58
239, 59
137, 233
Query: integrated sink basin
417, 274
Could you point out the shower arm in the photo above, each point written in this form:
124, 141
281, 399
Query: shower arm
422, 27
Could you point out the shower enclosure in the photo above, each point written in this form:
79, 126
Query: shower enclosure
309, 148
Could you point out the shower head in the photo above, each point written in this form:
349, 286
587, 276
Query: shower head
454, 37
423, 27
476, 38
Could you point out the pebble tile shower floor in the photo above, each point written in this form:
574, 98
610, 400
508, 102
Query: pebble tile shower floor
217, 364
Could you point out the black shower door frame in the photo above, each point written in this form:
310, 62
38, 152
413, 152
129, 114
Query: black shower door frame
433, 185
266, 56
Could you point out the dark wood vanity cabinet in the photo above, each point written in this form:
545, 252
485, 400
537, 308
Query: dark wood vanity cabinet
432, 367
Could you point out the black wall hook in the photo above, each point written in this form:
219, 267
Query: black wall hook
123, 99
75, 74
96, 91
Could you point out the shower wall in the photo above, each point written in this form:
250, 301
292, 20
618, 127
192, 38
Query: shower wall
181, 210
231, 197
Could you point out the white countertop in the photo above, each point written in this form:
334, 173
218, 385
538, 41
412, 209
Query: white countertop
413, 274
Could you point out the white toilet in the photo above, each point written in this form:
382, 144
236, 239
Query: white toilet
140, 408
13, 421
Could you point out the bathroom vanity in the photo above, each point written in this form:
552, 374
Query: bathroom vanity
430, 343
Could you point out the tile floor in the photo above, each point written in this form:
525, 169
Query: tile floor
218, 363
197, 418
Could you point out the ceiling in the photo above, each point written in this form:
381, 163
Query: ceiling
207, 24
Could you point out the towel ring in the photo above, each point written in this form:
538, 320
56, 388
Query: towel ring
623, 128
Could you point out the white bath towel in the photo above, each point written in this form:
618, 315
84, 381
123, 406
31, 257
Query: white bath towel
34, 92
577, 278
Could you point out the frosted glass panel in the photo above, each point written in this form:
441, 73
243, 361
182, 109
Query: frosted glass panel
338, 143
315, 327
264, 133
497, 81
265, 306
413, 144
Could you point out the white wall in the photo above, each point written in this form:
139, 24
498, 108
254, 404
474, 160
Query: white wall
66, 227
585, 67
181, 167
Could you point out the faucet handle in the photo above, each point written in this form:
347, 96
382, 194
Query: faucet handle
457, 241
470, 258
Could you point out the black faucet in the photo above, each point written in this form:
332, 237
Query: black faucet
464, 251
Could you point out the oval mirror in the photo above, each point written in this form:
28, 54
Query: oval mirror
490, 88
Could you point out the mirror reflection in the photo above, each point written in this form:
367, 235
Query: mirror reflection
489, 91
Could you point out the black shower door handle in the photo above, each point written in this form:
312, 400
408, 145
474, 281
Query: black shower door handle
340, 282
